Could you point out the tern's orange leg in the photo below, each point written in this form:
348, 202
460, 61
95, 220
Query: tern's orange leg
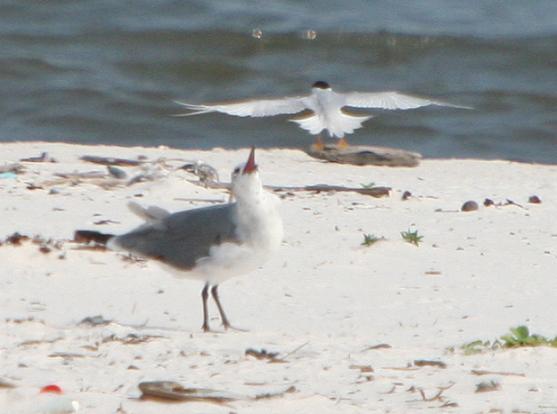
319, 145
342, 143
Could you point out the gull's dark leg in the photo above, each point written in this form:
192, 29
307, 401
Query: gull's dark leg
223, 317
204, 296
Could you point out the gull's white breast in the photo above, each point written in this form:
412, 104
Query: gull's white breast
260, 231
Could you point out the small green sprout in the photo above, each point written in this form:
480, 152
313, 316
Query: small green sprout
479, 346
412, 237
370, 239
368, 185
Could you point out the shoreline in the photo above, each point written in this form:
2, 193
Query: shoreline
37, 144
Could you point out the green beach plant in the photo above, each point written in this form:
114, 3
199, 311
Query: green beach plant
368, 185
371, 239
412, 237
518, 337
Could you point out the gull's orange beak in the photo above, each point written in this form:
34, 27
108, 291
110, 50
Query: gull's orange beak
251, 166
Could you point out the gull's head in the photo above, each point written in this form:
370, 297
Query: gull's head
245, 180
321, 85
56, 401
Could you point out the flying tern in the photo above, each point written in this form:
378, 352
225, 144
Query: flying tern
325, 108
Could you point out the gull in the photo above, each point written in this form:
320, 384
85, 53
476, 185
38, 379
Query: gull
212, 243
325, 108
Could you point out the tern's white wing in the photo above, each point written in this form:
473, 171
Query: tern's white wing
255, 108
391, 100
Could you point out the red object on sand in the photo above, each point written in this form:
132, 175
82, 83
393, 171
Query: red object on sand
52, 388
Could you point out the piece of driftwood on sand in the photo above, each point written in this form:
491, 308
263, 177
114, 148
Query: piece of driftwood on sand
365, 155
167, 391
318, 188
123, 162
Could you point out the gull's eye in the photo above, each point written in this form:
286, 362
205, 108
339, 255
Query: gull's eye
237, 170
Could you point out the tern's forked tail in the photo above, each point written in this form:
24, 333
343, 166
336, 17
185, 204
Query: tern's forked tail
337, 124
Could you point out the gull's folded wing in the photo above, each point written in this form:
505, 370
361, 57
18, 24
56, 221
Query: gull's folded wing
391, 100
181, 239
255, 108
149, 214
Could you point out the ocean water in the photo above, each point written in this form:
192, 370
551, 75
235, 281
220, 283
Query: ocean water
105, 71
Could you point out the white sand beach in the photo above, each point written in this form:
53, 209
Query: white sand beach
323, 302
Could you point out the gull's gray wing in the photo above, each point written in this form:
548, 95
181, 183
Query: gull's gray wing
151, 214
391, 100
253, 108
182, 238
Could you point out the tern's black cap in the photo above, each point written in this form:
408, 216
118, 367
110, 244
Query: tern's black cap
320, 85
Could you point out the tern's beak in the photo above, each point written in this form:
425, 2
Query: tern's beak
251, 166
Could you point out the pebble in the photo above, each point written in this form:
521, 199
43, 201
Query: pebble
469, 206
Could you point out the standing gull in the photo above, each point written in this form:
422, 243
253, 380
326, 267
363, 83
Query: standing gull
212, 243
325, 108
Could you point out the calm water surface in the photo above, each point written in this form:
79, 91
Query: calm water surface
107, 71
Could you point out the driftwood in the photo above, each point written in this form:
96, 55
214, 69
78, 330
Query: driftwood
426, 363
111, 161
112, 178
44, 157
372, 191
170, 391
366, 155
88, 175
504, 373
5, 384
263, 354
87, 236
15, 168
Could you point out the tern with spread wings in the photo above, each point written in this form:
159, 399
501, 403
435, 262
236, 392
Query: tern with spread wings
325, 108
